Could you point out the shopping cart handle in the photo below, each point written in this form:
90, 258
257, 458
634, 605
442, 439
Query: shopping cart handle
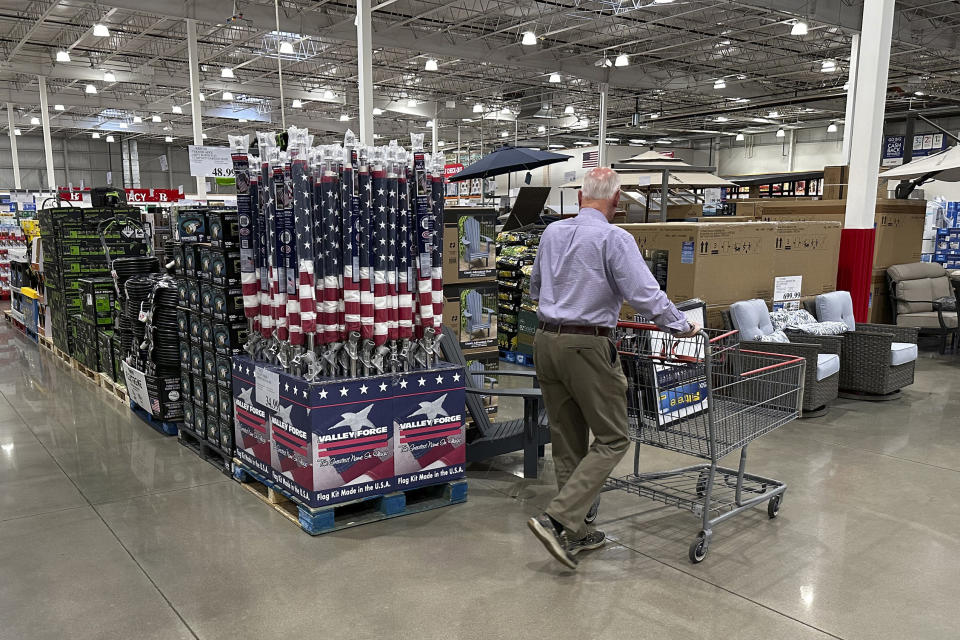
645, 326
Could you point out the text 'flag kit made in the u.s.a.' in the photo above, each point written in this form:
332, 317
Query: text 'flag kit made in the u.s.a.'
341, 394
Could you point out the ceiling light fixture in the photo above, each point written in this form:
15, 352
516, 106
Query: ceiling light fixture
504, 134
637, 141
798, 29
828, 66
176, 109
226, 72
100, 30
722, 119
123, 125
297, 104
110, 139
63, 56
203, 136
377, 111
168, 138
529, 39
478, 108
773, 114
569, 110
654, 116
137, 119
918, 93
662, 1
109, 77
58, 107
344, 117
227, 96
242, 120
328, 95
719, 83
740, 137
554, 78
582, 143
203, 98
832, 128
155, 119
780, 133
429, 124
34, 120
286, 48
431, 65
95, 135
90, 89
441, 143
622, 60
412, 102
541, 129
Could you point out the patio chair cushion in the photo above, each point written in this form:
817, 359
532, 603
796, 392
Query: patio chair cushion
751, 319
827, 365
836, 306
902, 353
803, 320
776, 336
926, 320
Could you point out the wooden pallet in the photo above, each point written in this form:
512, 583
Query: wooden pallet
320, 520
166, 428
62, 355
46, 343
113, 388
88, 373
212, 453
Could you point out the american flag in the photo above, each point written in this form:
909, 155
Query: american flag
303, 219
329, 223
378, 245
351, 255
364, 188
591, 159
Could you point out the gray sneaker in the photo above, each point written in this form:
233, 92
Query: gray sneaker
556, 543
593, 540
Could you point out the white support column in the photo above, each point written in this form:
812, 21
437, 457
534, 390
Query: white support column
13, 147
365, 70
47, 143
604, 87
791, 149
435, 130
866, 136
851, 96
195, 97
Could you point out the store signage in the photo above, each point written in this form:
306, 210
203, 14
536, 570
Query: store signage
153, 195
924, 144
137, 387
74, 195
212, 162
786, 292
450, 170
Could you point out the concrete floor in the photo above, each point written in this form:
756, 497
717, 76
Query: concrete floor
110, 530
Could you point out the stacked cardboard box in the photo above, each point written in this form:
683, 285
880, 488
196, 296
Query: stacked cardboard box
73, 251
210, 319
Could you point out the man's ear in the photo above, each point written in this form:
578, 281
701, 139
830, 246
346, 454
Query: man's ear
580, 199
616, 199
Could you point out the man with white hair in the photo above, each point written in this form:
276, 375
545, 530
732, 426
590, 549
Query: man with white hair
585, 269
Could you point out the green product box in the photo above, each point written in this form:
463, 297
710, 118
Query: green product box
97, 297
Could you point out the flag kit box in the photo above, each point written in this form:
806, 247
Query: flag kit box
361, 436
469, 248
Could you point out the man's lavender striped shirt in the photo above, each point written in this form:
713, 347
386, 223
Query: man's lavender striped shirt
586, 268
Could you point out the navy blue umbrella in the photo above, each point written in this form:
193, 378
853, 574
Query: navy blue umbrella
507, 160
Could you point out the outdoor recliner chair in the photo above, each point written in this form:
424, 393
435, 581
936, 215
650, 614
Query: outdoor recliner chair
922, 296
752, 319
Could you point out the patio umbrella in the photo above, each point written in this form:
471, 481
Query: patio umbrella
941, 166
507, 160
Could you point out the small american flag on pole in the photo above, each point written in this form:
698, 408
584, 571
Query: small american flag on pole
591, 159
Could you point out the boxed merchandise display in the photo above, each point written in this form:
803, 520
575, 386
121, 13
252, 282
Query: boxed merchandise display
809, 249
159, 396
479, 360
190, 225
224, 229
469, 249
97, 296
471, 311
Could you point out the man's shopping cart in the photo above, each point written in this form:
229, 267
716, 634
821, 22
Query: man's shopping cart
704, 397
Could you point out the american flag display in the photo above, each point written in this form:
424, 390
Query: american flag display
591, 159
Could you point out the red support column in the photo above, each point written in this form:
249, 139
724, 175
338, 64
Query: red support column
855, 268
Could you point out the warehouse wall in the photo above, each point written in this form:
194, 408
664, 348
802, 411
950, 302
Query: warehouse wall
767, 153
88, 161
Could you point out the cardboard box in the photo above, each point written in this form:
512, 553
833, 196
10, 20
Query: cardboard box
809, 249
471, 311
775, 210
716, 262
224, 229
880, 311
480, 360
899, 239
680, 211
715, 315
469, 244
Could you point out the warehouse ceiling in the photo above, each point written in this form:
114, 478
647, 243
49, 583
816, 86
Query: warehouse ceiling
695, 68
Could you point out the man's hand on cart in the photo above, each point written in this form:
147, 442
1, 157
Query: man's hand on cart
692, 331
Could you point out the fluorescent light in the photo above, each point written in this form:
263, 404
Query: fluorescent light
606, 62
541, 129
719, 83
227, 96
297, 104
440, 143
90, 89
16, 132
582, 143
34, 120
832, 128
58, 107
431, 65
654, 116
478, 108
622, 60
95, 135
614, 140
662, 1
155, 119
241, 120
429, 124
529, 38
739, 137
203, 136
554, 77
328, 94
63, 56
123, 125
286, 47
176, 109
377, 111
918, 93
226, 72
203, 98
504, 134
637, 140
584, 122
569, 110
168, 128
109, 77
168, 138
412, 102
555, 146
109, 138
100, 30
137, 119
344, 117
722, 119
773, 114
798, 29
828, 66
780, 133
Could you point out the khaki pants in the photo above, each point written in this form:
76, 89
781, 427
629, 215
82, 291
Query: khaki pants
585, 392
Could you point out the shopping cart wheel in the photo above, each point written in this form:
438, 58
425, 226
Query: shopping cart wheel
698, 550
592, 514
773, 506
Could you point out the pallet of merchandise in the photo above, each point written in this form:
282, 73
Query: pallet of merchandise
46, 342
320, 520
62, 355
87, 372
215, 455
166, 428
113, 388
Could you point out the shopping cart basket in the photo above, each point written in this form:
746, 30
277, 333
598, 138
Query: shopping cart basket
705, 397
